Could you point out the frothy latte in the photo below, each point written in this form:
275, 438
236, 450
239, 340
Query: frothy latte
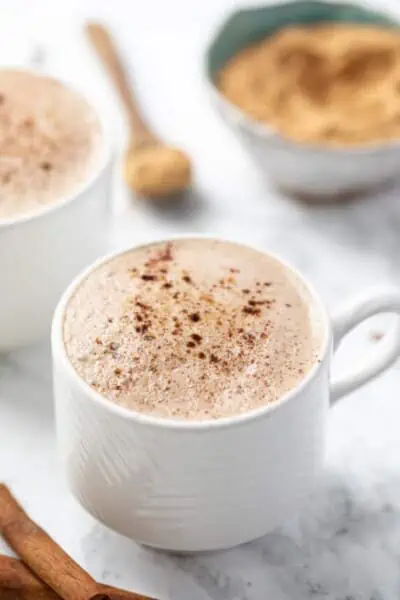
192, 329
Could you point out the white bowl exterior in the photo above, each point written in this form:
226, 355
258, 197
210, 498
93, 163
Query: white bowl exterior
190, 489
40, 255
313, 171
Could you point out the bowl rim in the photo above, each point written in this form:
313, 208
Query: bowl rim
267, 132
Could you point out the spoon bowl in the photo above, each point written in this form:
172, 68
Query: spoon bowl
151, 168
157, 170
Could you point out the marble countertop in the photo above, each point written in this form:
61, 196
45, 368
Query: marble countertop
345, 545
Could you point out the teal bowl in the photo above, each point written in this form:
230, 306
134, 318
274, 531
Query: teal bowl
315, 171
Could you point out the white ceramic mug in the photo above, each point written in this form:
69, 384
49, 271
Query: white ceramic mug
42, 251
195, 486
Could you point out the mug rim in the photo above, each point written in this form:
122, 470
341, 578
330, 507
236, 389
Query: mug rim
101, 164
60, 356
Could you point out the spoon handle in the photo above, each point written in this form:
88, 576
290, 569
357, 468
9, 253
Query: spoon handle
108, 54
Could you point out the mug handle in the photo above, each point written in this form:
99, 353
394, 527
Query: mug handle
385, 300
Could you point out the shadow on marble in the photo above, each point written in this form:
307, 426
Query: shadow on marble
344, 546
346, 198
371, 225
26, 381
189, 209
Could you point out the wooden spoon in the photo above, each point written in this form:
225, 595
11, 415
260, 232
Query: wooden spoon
151, 167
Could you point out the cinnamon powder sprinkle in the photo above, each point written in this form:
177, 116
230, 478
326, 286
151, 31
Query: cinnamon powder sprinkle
196, 337
161, 256
248, 310
142, 305
149, 277
376, 336
195, 317
167, 253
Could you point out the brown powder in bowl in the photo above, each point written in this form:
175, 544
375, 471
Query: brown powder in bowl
336, 84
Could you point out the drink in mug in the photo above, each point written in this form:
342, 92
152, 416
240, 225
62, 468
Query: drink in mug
192, 385
55, 172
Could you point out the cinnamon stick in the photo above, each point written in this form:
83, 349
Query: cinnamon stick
17, 582
47, 560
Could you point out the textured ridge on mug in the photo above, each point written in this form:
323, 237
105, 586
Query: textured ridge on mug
129, 475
